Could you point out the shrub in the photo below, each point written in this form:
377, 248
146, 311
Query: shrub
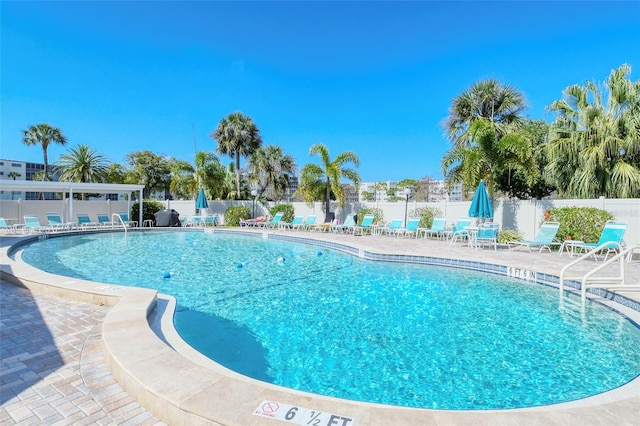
234, 214
149, 209
507, 235
377, 213
287, 210
426, 215
579, 223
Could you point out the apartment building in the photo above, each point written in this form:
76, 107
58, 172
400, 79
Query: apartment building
21, 170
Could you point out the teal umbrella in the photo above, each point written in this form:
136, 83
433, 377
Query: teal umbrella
481, 203
201, 201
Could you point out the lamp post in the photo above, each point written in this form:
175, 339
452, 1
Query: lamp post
407, 192
253, 194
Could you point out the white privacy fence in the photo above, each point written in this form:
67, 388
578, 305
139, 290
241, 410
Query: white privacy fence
524, 216
16, 210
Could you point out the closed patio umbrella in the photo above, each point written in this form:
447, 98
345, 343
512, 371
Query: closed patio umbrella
201, 201
481, 203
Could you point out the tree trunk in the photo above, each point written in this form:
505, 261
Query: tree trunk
237, 175
328, 215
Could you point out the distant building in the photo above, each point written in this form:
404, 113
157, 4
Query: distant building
384, 190
21, 170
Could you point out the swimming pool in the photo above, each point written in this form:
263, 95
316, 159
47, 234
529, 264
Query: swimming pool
341, 326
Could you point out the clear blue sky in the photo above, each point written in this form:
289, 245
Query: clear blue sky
373, 77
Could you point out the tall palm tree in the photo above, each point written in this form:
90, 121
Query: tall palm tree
490, 100
237, 136
82, 164
484, 126
270, 167
43, 134
325, 178
594, 141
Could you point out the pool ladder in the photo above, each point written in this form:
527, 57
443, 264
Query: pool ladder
617, 282
119, 219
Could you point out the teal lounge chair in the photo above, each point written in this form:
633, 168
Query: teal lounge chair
411, 228
127, 222
211, 220
612, 233
273, 223
103, 219
394, 226
346, 227
365, 226
32, 224
5, 226
297, 220
84, 221
460, 231
56, 223
194, 221
438, 228
308, 223
487, 234
543, 240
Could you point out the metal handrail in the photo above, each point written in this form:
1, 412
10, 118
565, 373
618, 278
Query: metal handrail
121, 221
601, 282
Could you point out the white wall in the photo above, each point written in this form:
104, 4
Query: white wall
16, 210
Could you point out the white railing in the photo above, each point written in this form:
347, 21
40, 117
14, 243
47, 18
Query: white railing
119, 219
588, 280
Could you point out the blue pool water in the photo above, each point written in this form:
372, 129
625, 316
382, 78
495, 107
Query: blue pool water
325, 322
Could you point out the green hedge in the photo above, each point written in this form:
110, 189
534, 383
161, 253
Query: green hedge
234, 214
579, 223
149, 209
426, 215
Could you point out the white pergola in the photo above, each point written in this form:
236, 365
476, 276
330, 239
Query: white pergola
71, 188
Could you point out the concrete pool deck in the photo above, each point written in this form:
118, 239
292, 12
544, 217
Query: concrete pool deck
179, 386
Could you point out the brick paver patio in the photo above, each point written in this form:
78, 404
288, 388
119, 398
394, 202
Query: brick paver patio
52, 367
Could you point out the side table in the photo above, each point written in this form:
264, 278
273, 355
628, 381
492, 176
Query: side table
570, 246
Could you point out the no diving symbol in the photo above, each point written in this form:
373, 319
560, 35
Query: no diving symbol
270, 407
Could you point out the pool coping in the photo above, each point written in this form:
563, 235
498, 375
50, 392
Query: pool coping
180, 386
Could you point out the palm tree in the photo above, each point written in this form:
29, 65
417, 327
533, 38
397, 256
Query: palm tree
485, 128
13, 175
208, 173
270, 167
489, 100
325, 178
594, 141
237, 136
183, 182
43, 134
82, 164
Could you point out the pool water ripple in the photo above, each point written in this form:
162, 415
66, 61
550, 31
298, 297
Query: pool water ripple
326, 322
